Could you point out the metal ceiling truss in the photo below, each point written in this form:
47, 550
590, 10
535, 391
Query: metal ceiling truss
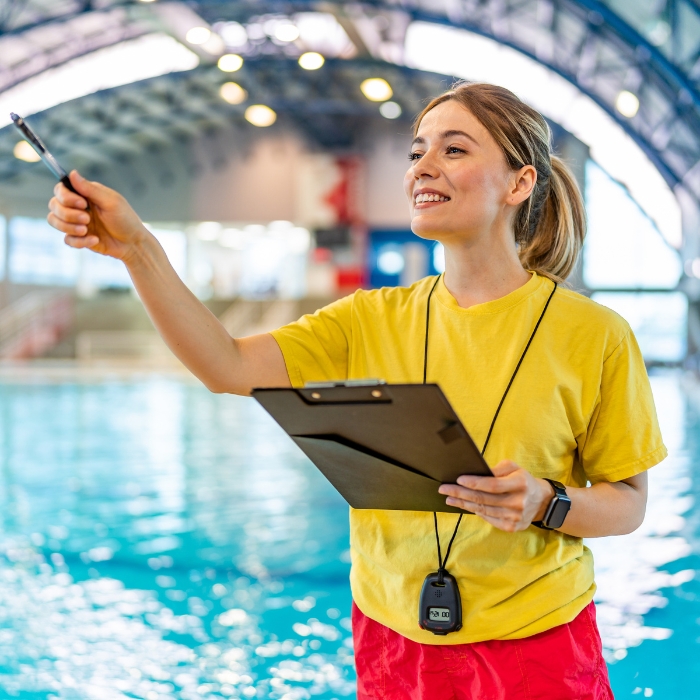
117, 125
602, 47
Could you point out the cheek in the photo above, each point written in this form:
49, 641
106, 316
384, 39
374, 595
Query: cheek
478, 187
408, 182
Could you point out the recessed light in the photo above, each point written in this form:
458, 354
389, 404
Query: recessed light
376, 89
286, 31
24, 151
627, 103
390, 110
230, 62
311, 60
198, 35
233, 93
260, 115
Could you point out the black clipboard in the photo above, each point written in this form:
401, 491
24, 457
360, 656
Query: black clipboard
382, 446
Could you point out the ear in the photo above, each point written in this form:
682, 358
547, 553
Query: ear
521, 184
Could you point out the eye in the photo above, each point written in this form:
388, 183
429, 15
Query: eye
455, 149
413, 155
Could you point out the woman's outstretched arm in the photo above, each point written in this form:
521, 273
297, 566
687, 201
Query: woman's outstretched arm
111, 227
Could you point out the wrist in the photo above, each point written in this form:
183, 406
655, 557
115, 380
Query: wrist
143, 247
546, 494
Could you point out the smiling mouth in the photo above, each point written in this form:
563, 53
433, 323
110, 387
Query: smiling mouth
430, 198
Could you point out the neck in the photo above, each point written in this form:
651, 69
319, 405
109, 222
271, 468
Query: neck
482, 270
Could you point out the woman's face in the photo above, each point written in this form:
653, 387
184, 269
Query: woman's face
459, 183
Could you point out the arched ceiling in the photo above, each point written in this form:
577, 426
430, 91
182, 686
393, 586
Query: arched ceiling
648, 47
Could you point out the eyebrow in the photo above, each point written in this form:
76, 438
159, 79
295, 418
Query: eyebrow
446, 135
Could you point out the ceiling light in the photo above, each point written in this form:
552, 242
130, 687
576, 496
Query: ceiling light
286, 31
147, 0
233, 93
627, 104
233, 33
260, 115
376, 89
24, 151
230, 62
198, 35
311, 60
390, 110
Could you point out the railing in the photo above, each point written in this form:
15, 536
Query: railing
144, 346
34, 323
245, 318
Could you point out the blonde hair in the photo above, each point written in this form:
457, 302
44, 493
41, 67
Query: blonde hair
551, 225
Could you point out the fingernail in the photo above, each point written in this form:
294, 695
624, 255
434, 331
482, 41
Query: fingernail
78, 176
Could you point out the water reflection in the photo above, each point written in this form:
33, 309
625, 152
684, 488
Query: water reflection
162, 542
628, 569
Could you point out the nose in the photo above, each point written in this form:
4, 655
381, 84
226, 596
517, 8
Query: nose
425, 167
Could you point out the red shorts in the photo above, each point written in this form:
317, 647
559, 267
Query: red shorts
564, 663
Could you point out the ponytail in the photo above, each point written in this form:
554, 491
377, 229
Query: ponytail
551, 225
556, 235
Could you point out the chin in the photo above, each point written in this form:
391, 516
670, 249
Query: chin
427, 230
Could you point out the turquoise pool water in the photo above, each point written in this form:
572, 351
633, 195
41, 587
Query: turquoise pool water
162, 542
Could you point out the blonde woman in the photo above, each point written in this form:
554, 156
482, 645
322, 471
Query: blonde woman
577, 427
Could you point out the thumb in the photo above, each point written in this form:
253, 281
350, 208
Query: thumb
92, 191
504, 467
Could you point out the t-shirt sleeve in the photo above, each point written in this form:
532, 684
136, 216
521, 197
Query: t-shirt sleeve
316, 347
623, 436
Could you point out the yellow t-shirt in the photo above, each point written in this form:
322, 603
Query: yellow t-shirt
580, 410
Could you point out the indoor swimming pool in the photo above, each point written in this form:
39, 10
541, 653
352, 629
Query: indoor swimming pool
160, 542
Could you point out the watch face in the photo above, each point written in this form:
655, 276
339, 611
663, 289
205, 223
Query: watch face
559, 511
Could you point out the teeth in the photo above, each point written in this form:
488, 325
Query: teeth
430, 198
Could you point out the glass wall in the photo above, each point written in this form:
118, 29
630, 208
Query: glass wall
3, 245
38, 254
624, 254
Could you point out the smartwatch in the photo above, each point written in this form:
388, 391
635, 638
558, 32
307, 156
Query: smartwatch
557, 509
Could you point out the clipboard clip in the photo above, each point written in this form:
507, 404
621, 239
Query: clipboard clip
347, 382
350, 391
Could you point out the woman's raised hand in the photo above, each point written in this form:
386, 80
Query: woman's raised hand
510, 500
110, 226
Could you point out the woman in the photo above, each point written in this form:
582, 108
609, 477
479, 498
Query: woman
483, 182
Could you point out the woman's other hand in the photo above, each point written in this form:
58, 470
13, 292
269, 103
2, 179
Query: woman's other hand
110, 226
510, 500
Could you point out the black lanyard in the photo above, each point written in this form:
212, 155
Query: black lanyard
442, 563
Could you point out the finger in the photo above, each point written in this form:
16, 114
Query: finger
65, 227
68, 214
92, 191
497, 512
81, 241
470, 495
68, 198
487, 484
504, 468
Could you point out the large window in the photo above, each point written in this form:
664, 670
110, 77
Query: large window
38, 254
3, 246
624, 251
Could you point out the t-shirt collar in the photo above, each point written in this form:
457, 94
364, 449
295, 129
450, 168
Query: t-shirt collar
534, 284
